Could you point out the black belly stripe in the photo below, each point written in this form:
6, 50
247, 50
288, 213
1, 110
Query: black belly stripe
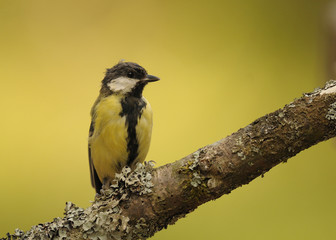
132, 108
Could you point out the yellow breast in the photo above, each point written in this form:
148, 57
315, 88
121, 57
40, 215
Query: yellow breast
144, 132
108, 143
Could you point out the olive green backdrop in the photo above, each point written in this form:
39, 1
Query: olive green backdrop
222, 64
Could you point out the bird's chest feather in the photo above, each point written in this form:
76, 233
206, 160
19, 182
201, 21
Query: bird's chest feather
122, 132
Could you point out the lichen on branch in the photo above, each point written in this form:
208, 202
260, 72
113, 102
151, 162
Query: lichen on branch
146, 200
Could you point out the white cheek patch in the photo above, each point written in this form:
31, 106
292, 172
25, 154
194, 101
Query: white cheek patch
122, 84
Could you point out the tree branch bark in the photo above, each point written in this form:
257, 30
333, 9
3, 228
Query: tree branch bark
146, 200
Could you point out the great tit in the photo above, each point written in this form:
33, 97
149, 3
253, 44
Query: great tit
121, 125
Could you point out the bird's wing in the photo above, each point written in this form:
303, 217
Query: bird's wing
95, 182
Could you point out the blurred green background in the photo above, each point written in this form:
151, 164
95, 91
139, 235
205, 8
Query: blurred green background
222, 64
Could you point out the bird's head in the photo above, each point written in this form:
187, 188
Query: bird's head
126, 78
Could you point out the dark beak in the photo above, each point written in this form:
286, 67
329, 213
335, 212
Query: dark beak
151, 78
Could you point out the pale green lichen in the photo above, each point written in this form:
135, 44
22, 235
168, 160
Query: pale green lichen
281, 114
330, 84
239, 141
241, 155
291, 105
127, 182
238, 148
191, 167
141, 229
331, 115
313, 94
328, 88
104, 219
255, 149
195, 162
319, 91
196, 180
111, 222
250, 164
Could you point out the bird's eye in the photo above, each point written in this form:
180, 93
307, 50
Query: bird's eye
130, 74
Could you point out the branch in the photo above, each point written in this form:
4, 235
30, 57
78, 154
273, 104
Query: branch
146, 200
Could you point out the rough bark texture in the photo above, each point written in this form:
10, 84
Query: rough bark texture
143, 201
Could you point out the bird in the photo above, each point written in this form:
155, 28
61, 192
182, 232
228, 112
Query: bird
121, 123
